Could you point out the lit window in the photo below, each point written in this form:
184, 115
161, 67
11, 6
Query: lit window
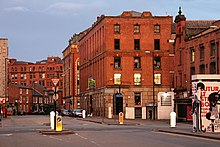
137, 79
157, 79
117, 79
192, 54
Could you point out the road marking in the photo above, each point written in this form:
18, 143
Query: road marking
91, 141
195, 137
2, 135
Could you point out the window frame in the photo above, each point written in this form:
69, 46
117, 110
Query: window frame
136, 29
137, 65
137, 79
117, 28
136, 44
116, 44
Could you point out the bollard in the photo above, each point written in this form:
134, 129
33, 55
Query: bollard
121, 118
172, 119
52, 120
84, 114
59, 123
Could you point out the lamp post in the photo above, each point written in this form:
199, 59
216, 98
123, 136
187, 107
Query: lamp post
153, 86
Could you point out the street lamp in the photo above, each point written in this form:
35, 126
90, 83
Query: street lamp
153, 86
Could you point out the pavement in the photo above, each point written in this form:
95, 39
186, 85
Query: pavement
182, 128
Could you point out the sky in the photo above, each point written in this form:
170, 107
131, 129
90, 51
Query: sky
37, 29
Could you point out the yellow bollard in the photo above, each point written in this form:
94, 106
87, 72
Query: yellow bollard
59, 124
121, 118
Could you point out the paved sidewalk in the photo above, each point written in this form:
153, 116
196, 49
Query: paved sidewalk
181, 128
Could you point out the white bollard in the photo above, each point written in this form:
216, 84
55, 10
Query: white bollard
172, 119
84, 114
52, 120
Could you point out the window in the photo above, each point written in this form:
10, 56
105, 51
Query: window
117, 28
192, 71
166, 100
192, 55
136, 44
212, 49
26, 91
117, 79
157, 79
20, 91
27, 99
202, 69
136, 28
137, 98
157, 63
137, 79
202, 49
212, 68
137, 62
117, 62
156, 44
156, 28
117, 44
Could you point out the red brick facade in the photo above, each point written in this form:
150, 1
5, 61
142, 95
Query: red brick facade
196, 51
71, 75
124, 46
27, 73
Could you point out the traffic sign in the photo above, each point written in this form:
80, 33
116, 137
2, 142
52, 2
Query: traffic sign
55, 81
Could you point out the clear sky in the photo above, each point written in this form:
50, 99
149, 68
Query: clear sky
37, 29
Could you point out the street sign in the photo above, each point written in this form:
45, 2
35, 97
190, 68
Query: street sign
55, 81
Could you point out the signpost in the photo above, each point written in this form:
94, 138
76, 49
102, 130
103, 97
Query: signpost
55, 82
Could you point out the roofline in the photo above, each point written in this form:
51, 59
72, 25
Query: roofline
103, 17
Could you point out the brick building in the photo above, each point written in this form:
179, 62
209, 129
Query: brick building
71, 74
120, 57
3, 67
196, 52
41, 72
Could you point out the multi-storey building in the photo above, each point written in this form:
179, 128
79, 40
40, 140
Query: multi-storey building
196, 52
71, 98
125, 61
41, 72
3, 67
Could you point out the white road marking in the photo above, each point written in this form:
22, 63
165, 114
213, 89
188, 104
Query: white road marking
91, 141
2, 135
195, 137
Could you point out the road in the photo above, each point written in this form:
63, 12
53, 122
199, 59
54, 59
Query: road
23, 131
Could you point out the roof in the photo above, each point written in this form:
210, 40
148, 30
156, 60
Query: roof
36, 93
194, 27
22, 86
22, 62
39, 87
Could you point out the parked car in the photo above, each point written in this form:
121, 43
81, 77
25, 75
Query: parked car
65, 112
76, 113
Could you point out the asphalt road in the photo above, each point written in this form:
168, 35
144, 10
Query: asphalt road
23, 131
